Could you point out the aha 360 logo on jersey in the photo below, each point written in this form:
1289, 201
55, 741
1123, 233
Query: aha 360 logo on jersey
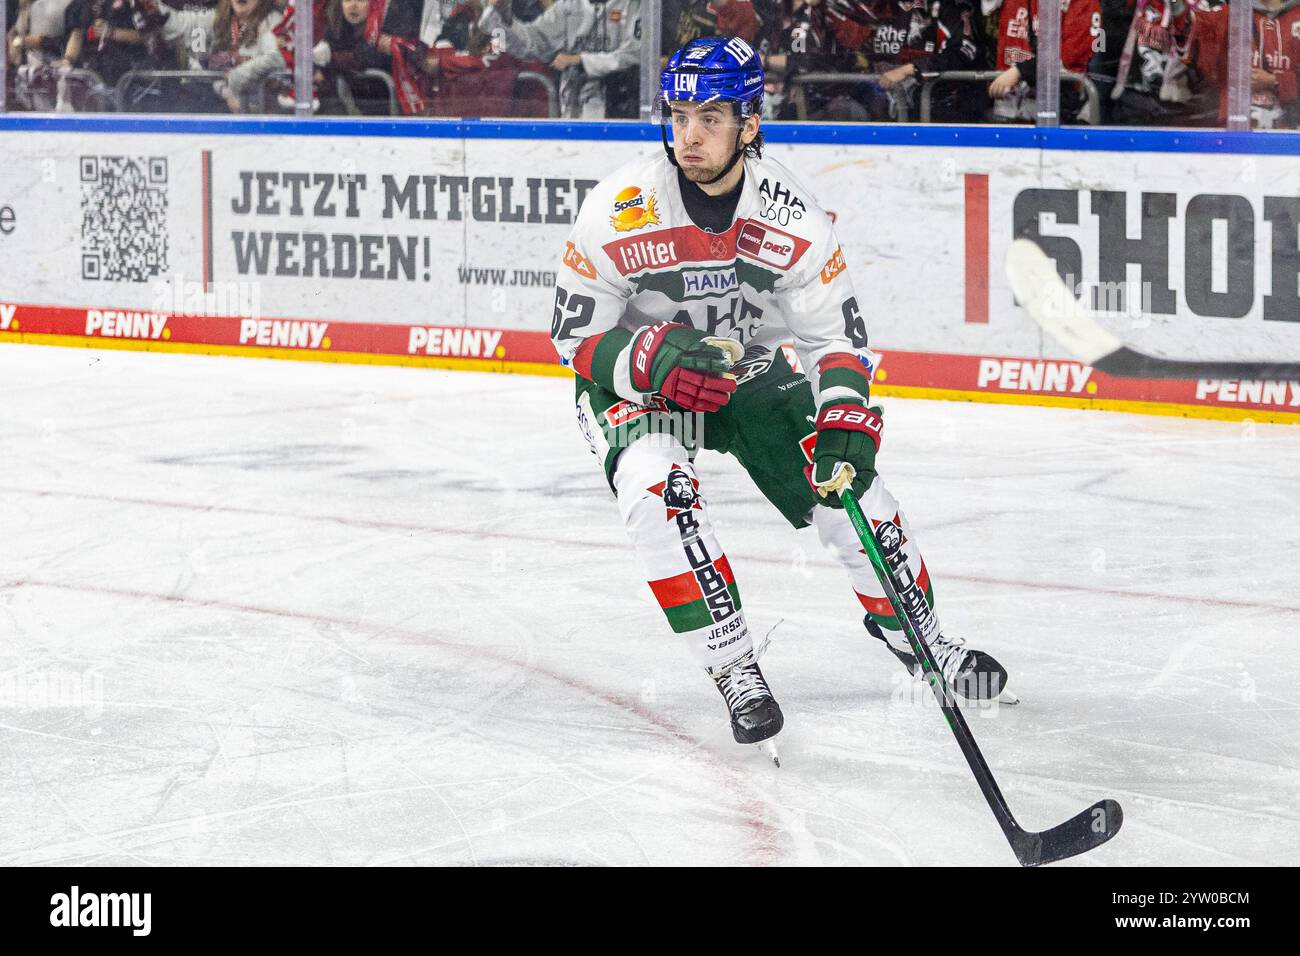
634, 209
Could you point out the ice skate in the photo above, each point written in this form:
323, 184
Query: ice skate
755, 715
975, 675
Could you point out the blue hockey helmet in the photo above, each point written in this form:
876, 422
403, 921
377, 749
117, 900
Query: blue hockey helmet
711, 69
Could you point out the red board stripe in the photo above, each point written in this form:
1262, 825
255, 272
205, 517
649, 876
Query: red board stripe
977, 248
206, 165
978, 377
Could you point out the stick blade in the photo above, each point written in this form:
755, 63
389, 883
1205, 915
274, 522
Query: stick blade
1050, 303
1086, 831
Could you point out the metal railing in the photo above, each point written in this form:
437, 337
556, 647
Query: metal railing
254, 98
552, 94
798, 82
121, 92
95, 85
342, 86
1091, 112
120, 96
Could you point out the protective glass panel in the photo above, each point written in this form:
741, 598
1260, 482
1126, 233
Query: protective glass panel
430, 58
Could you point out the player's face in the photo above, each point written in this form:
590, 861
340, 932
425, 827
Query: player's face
354, 11
704, 138
243, 8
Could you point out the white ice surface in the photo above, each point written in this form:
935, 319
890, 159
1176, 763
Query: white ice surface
279, 612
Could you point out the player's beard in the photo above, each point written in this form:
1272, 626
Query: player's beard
700, 173
704, 174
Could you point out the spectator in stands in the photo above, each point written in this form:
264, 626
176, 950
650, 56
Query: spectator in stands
1275, 60
912, 37
1152, 82
390, 20
811, 40
475, 78
1082, 42
343, 54
594, 44
392, 27
772, 16
451, 25
687, 20
37, 38
110, 37
244, 45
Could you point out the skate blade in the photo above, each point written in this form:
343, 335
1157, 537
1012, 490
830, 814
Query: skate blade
768, 748
1007, 697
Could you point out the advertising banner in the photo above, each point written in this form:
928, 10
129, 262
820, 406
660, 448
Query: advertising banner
444, 251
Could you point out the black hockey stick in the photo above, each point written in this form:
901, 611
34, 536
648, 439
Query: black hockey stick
1048, 300
1080, 833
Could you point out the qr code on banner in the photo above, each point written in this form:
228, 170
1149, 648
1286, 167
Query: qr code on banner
123, 217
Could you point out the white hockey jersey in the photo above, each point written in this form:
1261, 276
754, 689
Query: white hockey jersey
635, 258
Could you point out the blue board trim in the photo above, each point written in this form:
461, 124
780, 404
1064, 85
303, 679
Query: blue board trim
1003, 137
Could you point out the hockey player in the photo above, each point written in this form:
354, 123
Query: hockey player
682, 277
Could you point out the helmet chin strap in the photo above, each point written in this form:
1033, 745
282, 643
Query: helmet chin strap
735, 157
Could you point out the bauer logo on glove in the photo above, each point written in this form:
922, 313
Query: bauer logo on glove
848, 438
685, 366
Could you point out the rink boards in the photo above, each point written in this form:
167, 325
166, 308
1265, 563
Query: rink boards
437, 244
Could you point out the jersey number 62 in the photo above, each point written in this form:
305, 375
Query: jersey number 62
572, 312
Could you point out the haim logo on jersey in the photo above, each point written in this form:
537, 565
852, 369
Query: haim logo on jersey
680, 492
633, 209
709, 281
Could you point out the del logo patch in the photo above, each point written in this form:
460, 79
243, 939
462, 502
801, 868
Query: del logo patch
770, 246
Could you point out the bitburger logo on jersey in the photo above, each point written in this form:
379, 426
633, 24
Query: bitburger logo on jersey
634, 209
